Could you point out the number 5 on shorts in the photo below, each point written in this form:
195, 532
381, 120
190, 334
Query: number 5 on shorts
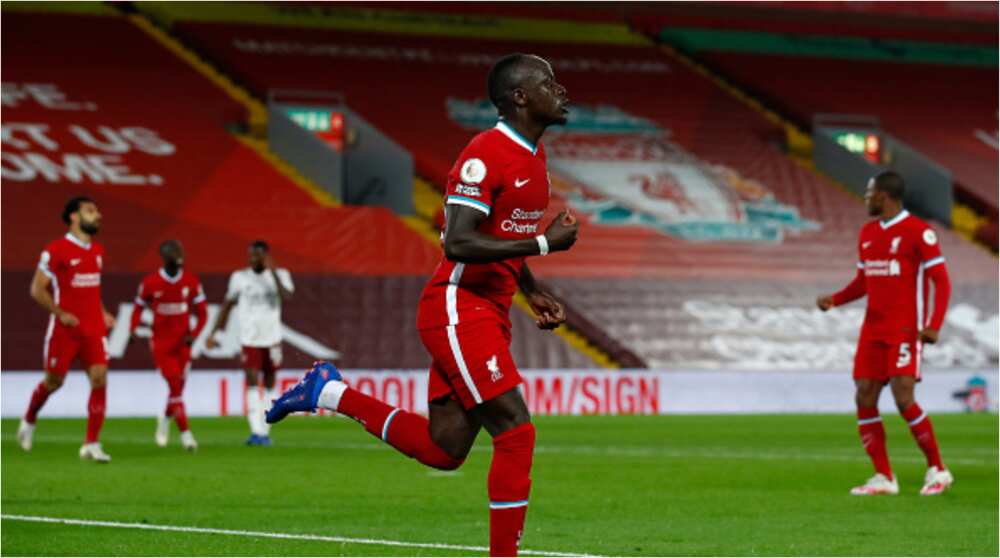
904, 355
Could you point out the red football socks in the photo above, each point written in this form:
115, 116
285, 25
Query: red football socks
407, 432
873, 439
175, 403
95, 413
38, 398
509, 485
923, 432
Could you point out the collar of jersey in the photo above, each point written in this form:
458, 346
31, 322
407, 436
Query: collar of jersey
886, 224
514, 136
77, 241
168, 279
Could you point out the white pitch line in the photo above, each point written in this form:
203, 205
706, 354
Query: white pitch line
268, 535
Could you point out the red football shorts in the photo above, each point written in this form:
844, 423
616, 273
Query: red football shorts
471, 362
265, 359
881, 360
172, 357
63, 344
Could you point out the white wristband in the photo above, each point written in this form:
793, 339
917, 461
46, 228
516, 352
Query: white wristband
543, 245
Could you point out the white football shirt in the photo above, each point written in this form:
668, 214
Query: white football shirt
258, 305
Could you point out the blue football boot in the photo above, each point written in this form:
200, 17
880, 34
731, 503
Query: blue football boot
305, 394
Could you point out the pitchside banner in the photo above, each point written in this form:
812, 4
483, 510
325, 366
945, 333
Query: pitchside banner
547, 392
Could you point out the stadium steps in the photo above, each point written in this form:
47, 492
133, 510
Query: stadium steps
966, 222
425, 197
428, 230
81, 8
321, 196
257, 120
427, 200
397, 19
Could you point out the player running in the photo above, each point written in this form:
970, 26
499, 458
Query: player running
258, 291
497, 193
173, 294
897, 257
71, 267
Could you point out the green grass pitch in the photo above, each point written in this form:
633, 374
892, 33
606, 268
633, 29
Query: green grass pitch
674, 485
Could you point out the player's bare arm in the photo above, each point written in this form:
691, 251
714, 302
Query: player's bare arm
549, 312
464, 243
109, 318
929, 335
220, 323
283, 293
40, 293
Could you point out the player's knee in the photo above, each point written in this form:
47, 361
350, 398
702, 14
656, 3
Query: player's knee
452, 443
53, 382
865, 398
505, 414
175, 384
903, 400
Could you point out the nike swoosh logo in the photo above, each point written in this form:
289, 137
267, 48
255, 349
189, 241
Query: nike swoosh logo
518, 182
865, 244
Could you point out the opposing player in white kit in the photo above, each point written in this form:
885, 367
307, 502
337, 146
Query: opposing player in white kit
257, 291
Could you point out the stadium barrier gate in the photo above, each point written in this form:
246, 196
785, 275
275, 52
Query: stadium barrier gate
928, 185
335, 147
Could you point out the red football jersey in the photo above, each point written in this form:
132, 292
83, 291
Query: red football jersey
75, 271
502, 175
172, 300
894, 256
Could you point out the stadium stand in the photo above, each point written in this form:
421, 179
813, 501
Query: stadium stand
950, 22
694, 122
94, 106
907, 103
905, 76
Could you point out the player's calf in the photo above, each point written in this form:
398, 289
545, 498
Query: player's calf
324, 387
509, 486
923, 433
49, 384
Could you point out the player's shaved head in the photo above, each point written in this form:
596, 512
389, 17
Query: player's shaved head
172, 253
891, 183
169, 246
257, 253
509, 73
